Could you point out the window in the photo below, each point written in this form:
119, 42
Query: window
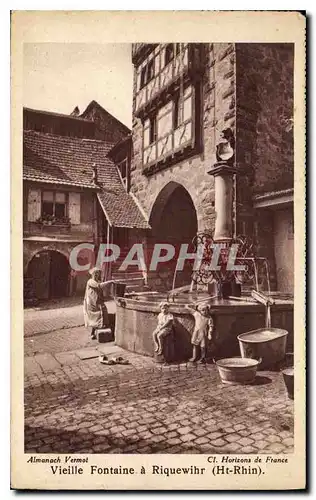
123, 168
164, 119
150, 126
54, 204
171, 51
182, 107
171, 128
147, 73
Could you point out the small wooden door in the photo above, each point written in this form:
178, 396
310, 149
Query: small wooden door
39, 272
59, 275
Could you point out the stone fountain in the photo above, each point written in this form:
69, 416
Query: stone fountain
232, 312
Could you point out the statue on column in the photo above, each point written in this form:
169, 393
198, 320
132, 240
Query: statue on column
225, 149
202, 338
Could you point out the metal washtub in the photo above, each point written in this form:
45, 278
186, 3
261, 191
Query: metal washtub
237, 370
269, 344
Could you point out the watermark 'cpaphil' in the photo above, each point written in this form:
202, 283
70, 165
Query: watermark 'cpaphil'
162, 253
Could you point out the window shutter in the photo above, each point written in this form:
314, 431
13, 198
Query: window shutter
34, 205
74, 208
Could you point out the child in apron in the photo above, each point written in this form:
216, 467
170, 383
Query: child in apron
203, 330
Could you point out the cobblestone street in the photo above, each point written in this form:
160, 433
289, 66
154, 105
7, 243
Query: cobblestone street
44, 320
75, 404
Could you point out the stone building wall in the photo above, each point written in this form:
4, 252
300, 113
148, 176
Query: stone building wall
264, 147
264, 107
218, 98
63, 240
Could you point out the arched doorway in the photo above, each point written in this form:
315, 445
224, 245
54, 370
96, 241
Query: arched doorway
173, 220
48, 275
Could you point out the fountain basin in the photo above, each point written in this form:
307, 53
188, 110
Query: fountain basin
269, 344
237, 370
136, 319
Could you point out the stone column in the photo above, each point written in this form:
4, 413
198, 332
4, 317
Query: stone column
224, 186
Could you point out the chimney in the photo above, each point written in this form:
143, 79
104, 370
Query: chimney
76, 112
94, 174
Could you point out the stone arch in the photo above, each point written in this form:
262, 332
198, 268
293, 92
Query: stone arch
47, 274
173, 220
32, 254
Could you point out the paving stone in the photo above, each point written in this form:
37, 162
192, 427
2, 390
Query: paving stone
261, 445
273, 438
116, 429
258, 436
288, 441
245, 432
128, 432
174, 441
215, 435
47, 362
247, 449
66, 358
245, 441
187, 437
218, 442
87, 353
144, 450
101, 448
158, 430
31, 366
96, 428
184, 430
200, 432
170, 435
201, 440
232, 447
157, 439
232, 437
276, 448
239, 427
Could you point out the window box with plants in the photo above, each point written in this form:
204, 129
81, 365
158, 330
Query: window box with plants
52, 220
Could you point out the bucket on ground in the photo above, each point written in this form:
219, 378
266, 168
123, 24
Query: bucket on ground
288, 377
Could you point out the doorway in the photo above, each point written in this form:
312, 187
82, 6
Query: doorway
48, 275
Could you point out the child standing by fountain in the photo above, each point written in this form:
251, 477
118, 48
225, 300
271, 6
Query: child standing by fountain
203, 330
164, 327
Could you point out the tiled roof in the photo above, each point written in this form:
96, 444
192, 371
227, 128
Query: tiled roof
53, 113
68, 160
121, 211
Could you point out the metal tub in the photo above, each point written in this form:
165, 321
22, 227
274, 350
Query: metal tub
237, 370
269, 344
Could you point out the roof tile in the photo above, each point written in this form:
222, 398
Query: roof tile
69, 161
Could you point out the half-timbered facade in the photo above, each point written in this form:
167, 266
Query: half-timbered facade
185, 95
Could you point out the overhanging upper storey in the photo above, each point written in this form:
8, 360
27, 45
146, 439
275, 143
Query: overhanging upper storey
160, 69
141, 50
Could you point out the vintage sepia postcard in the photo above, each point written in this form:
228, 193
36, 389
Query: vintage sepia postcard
158, 250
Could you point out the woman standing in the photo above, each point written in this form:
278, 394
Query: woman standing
94, 309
